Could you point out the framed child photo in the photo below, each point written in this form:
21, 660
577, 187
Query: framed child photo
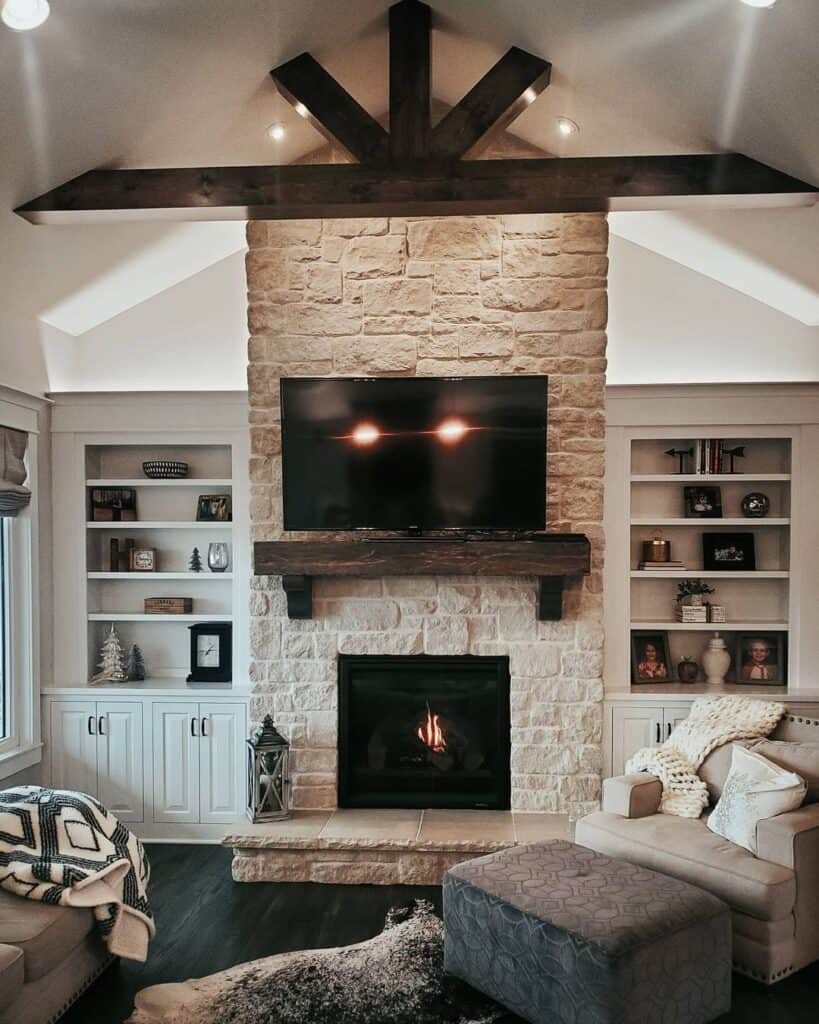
761, 658
214, 508
703, 502
650, 657
728, 552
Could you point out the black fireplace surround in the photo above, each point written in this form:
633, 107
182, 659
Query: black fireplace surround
423, 731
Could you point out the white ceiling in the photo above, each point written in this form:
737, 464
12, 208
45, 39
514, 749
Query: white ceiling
175, 82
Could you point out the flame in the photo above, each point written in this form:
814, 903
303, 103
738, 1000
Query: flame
431, 733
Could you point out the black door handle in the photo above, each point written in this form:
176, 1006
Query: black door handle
193, 727
669, 729
659, 733
91, 726
204, 726
100, 729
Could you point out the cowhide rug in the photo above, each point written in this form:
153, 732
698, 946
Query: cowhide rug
395, 978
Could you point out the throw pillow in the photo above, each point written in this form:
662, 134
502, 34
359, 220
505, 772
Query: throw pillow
802, 758
756, 788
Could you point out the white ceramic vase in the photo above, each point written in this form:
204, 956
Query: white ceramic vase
716, 661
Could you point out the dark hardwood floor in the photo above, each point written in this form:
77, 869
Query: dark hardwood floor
206, 922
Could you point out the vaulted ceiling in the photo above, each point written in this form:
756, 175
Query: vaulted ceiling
185, 82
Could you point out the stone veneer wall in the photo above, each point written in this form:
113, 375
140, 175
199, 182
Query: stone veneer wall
446, 296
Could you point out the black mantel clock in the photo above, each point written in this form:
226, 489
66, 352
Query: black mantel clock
211, 652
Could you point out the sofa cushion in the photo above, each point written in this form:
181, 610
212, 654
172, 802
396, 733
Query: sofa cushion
686, 849
802, 758
11, 974
45, 933
714, 769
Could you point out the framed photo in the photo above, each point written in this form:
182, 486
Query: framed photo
761, 658
113, 505
650, 657
703, 502
142, 560
728, 552
214, 508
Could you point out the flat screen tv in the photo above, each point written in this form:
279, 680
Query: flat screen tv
465, 453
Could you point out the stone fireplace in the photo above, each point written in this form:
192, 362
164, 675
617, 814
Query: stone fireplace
437, 297
423, 731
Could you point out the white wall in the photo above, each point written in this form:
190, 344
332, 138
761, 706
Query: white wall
191, 337
669, 324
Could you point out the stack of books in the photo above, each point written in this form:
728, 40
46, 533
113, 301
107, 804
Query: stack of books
709, 456
671, 566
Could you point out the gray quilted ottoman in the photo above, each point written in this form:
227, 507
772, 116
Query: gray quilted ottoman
562, 935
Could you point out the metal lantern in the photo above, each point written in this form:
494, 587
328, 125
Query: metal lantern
268, 774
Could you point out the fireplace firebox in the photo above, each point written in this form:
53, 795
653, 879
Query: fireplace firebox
423, 731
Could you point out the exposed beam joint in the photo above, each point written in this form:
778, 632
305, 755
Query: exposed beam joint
409, 80
503, 93
330, 109
416, 189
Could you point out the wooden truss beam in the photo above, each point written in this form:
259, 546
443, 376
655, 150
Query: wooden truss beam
409, 80
416, 189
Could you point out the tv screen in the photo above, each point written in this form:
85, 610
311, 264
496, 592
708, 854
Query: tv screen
414, 453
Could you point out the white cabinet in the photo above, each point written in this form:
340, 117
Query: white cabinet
198, 762
96, 748
634, 726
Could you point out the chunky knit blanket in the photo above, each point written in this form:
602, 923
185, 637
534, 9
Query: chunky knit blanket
712, 722
65, 848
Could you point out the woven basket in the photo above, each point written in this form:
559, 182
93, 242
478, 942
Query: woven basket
164, 469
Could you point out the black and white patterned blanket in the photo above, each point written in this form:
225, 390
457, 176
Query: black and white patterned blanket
65, 848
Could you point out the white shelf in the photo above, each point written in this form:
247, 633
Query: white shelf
709, 627
201, 482
687, 574
146, 577
705, 521
168, 525
705, 478
142, 617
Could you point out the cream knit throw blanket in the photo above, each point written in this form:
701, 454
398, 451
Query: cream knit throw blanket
712, 722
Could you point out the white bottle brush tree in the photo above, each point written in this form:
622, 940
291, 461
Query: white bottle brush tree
112, 663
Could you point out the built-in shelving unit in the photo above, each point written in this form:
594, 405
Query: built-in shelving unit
654, 502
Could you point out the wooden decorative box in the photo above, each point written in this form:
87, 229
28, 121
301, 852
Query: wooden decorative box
168, 605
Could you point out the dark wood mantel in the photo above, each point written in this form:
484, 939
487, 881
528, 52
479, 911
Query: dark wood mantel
553, 558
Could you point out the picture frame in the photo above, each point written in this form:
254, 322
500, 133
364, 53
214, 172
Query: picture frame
113, 505
703, 502
734, 552
214, 508
650, 657
211, 653
142, 560
760, 658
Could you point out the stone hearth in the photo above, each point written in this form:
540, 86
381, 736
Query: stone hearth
380, 847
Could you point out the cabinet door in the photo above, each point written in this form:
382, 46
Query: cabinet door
176, 761
119, 758
673, 714
73, 743
221, 762
633, 727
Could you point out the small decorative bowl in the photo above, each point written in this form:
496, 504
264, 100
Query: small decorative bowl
165, 469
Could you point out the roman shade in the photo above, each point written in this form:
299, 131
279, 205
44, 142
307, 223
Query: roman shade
13, 495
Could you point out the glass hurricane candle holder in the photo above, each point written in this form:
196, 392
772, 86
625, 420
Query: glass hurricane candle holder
218, 556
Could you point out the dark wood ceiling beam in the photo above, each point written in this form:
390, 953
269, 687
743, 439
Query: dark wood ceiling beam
330, 109
419, 189
409, 80
503, 93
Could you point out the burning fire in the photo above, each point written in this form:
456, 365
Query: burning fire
431, 733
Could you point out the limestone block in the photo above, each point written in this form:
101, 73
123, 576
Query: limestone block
458, 600
356, 226
585, 233
439, 346
298, 645
375, 256
290, 233
539, 225
363, 872
459, 238
322, 729
265, 265
586, 664
457, 278
368, 616
410, 586
396, 641
373, 353
265, 636
316, 798
519, 295
397, 296
516, 623
534, 660
446, 635
398, 325
456, 309
521, 257
332, 249
324, 283
304, 318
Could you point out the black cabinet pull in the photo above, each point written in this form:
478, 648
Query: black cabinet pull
659, 733
100, 729
91, 726
668, 729
193, 727
204, 726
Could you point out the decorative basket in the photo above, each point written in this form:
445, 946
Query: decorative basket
164, 469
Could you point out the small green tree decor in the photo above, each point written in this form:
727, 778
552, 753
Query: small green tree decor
111, 664
136, 664
692, 591
195, 561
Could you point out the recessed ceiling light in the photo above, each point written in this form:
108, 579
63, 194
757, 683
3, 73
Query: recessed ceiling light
24, 14
276, 131
301, 110
566, 126
759, 3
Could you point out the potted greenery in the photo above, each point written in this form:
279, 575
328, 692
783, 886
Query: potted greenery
692, 592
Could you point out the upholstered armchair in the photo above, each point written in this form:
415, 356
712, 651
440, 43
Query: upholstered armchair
774, 896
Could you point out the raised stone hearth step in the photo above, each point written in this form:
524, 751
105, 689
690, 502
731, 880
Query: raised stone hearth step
381, 847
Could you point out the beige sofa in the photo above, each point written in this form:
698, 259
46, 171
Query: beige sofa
48, 957
774, 897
